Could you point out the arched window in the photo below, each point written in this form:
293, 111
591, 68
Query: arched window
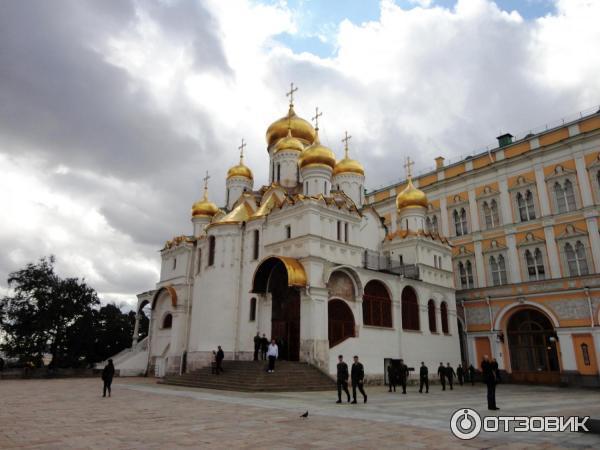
465, 271
410, 309
498, 270
570, 196
431, 316
460, 221
211, 250
444, 316
565, 197
377, 305
535, 264
256, 249
470, 283
252, 309
340, 322
526, 206
167, 321
576, 259
487, 215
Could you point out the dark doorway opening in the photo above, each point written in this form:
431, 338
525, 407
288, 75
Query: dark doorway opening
285, 314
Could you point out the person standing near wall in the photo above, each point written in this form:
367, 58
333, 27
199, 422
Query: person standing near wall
107, 376
272, 354
423, 378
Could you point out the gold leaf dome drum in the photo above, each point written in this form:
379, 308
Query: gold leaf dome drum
411, 197
348, 165
300, 129
204, 208
240, 171
317, 155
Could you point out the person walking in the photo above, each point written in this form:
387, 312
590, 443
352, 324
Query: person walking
357, 374
392, 377
450, 374
342, 379
257, 345
107, 376
472, 374
264, 346
496, 371
489, 378
272, 354
423, 378
403, 375
442, 374
220, 358
460, 374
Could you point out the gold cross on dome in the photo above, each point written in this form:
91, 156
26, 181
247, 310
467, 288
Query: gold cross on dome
408, 166
241, 149
206, 178
345, 141
291, 93
316, 118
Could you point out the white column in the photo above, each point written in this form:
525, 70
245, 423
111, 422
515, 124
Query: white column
136, 329
479, 265
540, 182
473, 211
513, 259
592, 226
552, 250
567, 353
505, 206
444, 217
583, 181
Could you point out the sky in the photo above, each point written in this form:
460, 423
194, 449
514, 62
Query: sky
111, 111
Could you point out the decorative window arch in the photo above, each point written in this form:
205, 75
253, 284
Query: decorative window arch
576, 259
526, 206
565, 196
377, 305
535, 264
167, 322
490, 214
444, 316
431, 316
465, 272
410, 309
498, 270
460, 221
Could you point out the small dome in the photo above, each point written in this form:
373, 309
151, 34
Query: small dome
240, 171
204, 207
289, 143
348, 165
300, 128
411, 197
317, 154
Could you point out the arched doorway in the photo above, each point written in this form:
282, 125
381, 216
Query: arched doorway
340, 322
410, 310
282, 277
532, 347
377, 305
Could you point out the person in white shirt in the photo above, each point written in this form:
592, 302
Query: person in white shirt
272, 354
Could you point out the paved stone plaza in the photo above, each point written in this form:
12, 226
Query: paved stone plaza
70, 413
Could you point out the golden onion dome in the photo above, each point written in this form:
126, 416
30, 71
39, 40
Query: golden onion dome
300, 128
348, 165
204, 207
240, 170
289, 143
411, 197
317, 154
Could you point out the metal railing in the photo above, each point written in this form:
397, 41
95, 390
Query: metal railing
374, 260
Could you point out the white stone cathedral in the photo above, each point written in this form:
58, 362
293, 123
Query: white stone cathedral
302, 260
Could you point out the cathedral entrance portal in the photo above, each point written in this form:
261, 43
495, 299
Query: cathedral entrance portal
281, 277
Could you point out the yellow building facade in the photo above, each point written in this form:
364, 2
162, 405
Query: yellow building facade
523, 221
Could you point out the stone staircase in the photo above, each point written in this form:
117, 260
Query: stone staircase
251, 376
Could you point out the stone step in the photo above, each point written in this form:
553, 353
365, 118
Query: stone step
251, 376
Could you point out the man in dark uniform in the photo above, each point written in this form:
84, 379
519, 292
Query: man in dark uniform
357, 374
220, 358
342, 379
460, 374
489, 378
472, 374
107, 376
403, 375
423, 378
442, 374
257, 345
264, 346
392, 377
450, 374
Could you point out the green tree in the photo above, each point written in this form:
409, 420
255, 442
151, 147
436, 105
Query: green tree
43, 313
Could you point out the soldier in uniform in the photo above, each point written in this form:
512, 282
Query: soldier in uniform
403, 375
489, 378
423, 378
460, 374
450, 374
472, 374
357, 374
342, 379
257, 344
392, 377
442, 374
